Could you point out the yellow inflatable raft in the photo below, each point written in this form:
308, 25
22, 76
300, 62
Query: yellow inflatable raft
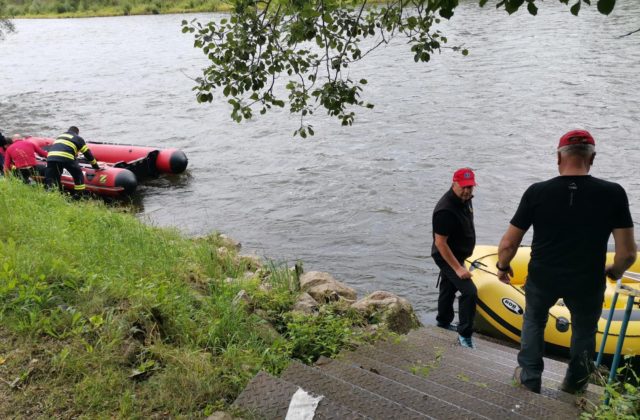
501, 306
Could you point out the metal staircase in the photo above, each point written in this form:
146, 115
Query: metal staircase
424, 375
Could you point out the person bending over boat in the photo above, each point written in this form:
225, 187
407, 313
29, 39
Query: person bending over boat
573, 216
63, 155
454, 238
20, 157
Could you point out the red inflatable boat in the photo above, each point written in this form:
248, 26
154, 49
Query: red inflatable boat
108, 182
143, 161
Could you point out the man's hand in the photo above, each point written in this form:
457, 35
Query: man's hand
612, 272
505, 275
463, 273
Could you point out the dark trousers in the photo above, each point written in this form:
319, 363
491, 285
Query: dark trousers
24, 173
450, 283
585, 311
53, 174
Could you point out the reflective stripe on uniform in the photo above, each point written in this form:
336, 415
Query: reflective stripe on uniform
79, 187
62, 154
84, 148
67, 143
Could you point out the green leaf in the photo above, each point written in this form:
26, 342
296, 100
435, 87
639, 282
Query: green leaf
575, 9
445, 13
532, 8
512, 6
606, 6
482, 3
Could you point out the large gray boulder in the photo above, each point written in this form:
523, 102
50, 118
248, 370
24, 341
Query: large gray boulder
396, 312
306, 304
324, 288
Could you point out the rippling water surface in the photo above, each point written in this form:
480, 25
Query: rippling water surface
355, 201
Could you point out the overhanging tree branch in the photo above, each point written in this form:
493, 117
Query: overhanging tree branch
311, 42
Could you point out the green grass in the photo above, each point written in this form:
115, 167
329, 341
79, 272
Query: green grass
103, 316
91, 8
95, 8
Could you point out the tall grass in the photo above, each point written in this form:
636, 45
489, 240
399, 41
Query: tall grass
104, 316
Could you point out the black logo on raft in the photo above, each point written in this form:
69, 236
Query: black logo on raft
512, 306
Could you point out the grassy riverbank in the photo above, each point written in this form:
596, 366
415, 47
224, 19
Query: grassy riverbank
96, 8
92, 8
104, 316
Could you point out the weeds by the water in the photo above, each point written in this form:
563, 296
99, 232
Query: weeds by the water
103, 316
623, 395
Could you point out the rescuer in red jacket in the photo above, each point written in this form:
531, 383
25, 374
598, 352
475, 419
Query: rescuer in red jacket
20, 157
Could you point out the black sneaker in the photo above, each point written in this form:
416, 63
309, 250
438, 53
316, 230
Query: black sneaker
447, 327
572, 389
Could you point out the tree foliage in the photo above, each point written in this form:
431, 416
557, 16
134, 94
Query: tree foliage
6, 26
307, 47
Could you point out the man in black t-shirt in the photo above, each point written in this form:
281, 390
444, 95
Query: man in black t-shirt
573, 216
454, 238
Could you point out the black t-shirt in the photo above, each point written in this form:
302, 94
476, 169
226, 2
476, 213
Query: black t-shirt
453, 218
572, 218
445, 223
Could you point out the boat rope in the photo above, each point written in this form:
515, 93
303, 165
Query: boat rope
477, 264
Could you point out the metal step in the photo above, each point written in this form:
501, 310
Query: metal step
497, 350
267, 397
482, 355
506, 361
426, 397
467, 394
351, 396
458, 362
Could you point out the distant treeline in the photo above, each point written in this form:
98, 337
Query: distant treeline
78, 8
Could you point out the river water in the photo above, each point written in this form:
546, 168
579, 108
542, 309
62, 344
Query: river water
356, 201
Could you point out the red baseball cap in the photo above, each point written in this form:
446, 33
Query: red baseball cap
576, 137
464, 177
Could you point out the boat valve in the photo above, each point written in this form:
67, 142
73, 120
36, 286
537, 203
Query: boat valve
562, 324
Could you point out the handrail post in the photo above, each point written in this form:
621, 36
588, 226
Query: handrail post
612, 308
623, 332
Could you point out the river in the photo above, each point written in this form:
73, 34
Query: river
355, 201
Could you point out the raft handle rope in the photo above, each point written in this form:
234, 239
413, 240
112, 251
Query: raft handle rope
632, 275
477, 264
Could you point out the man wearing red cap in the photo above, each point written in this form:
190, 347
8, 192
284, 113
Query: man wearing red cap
454, 238
573, 216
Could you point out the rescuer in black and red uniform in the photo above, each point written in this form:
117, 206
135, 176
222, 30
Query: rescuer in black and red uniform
63, 155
